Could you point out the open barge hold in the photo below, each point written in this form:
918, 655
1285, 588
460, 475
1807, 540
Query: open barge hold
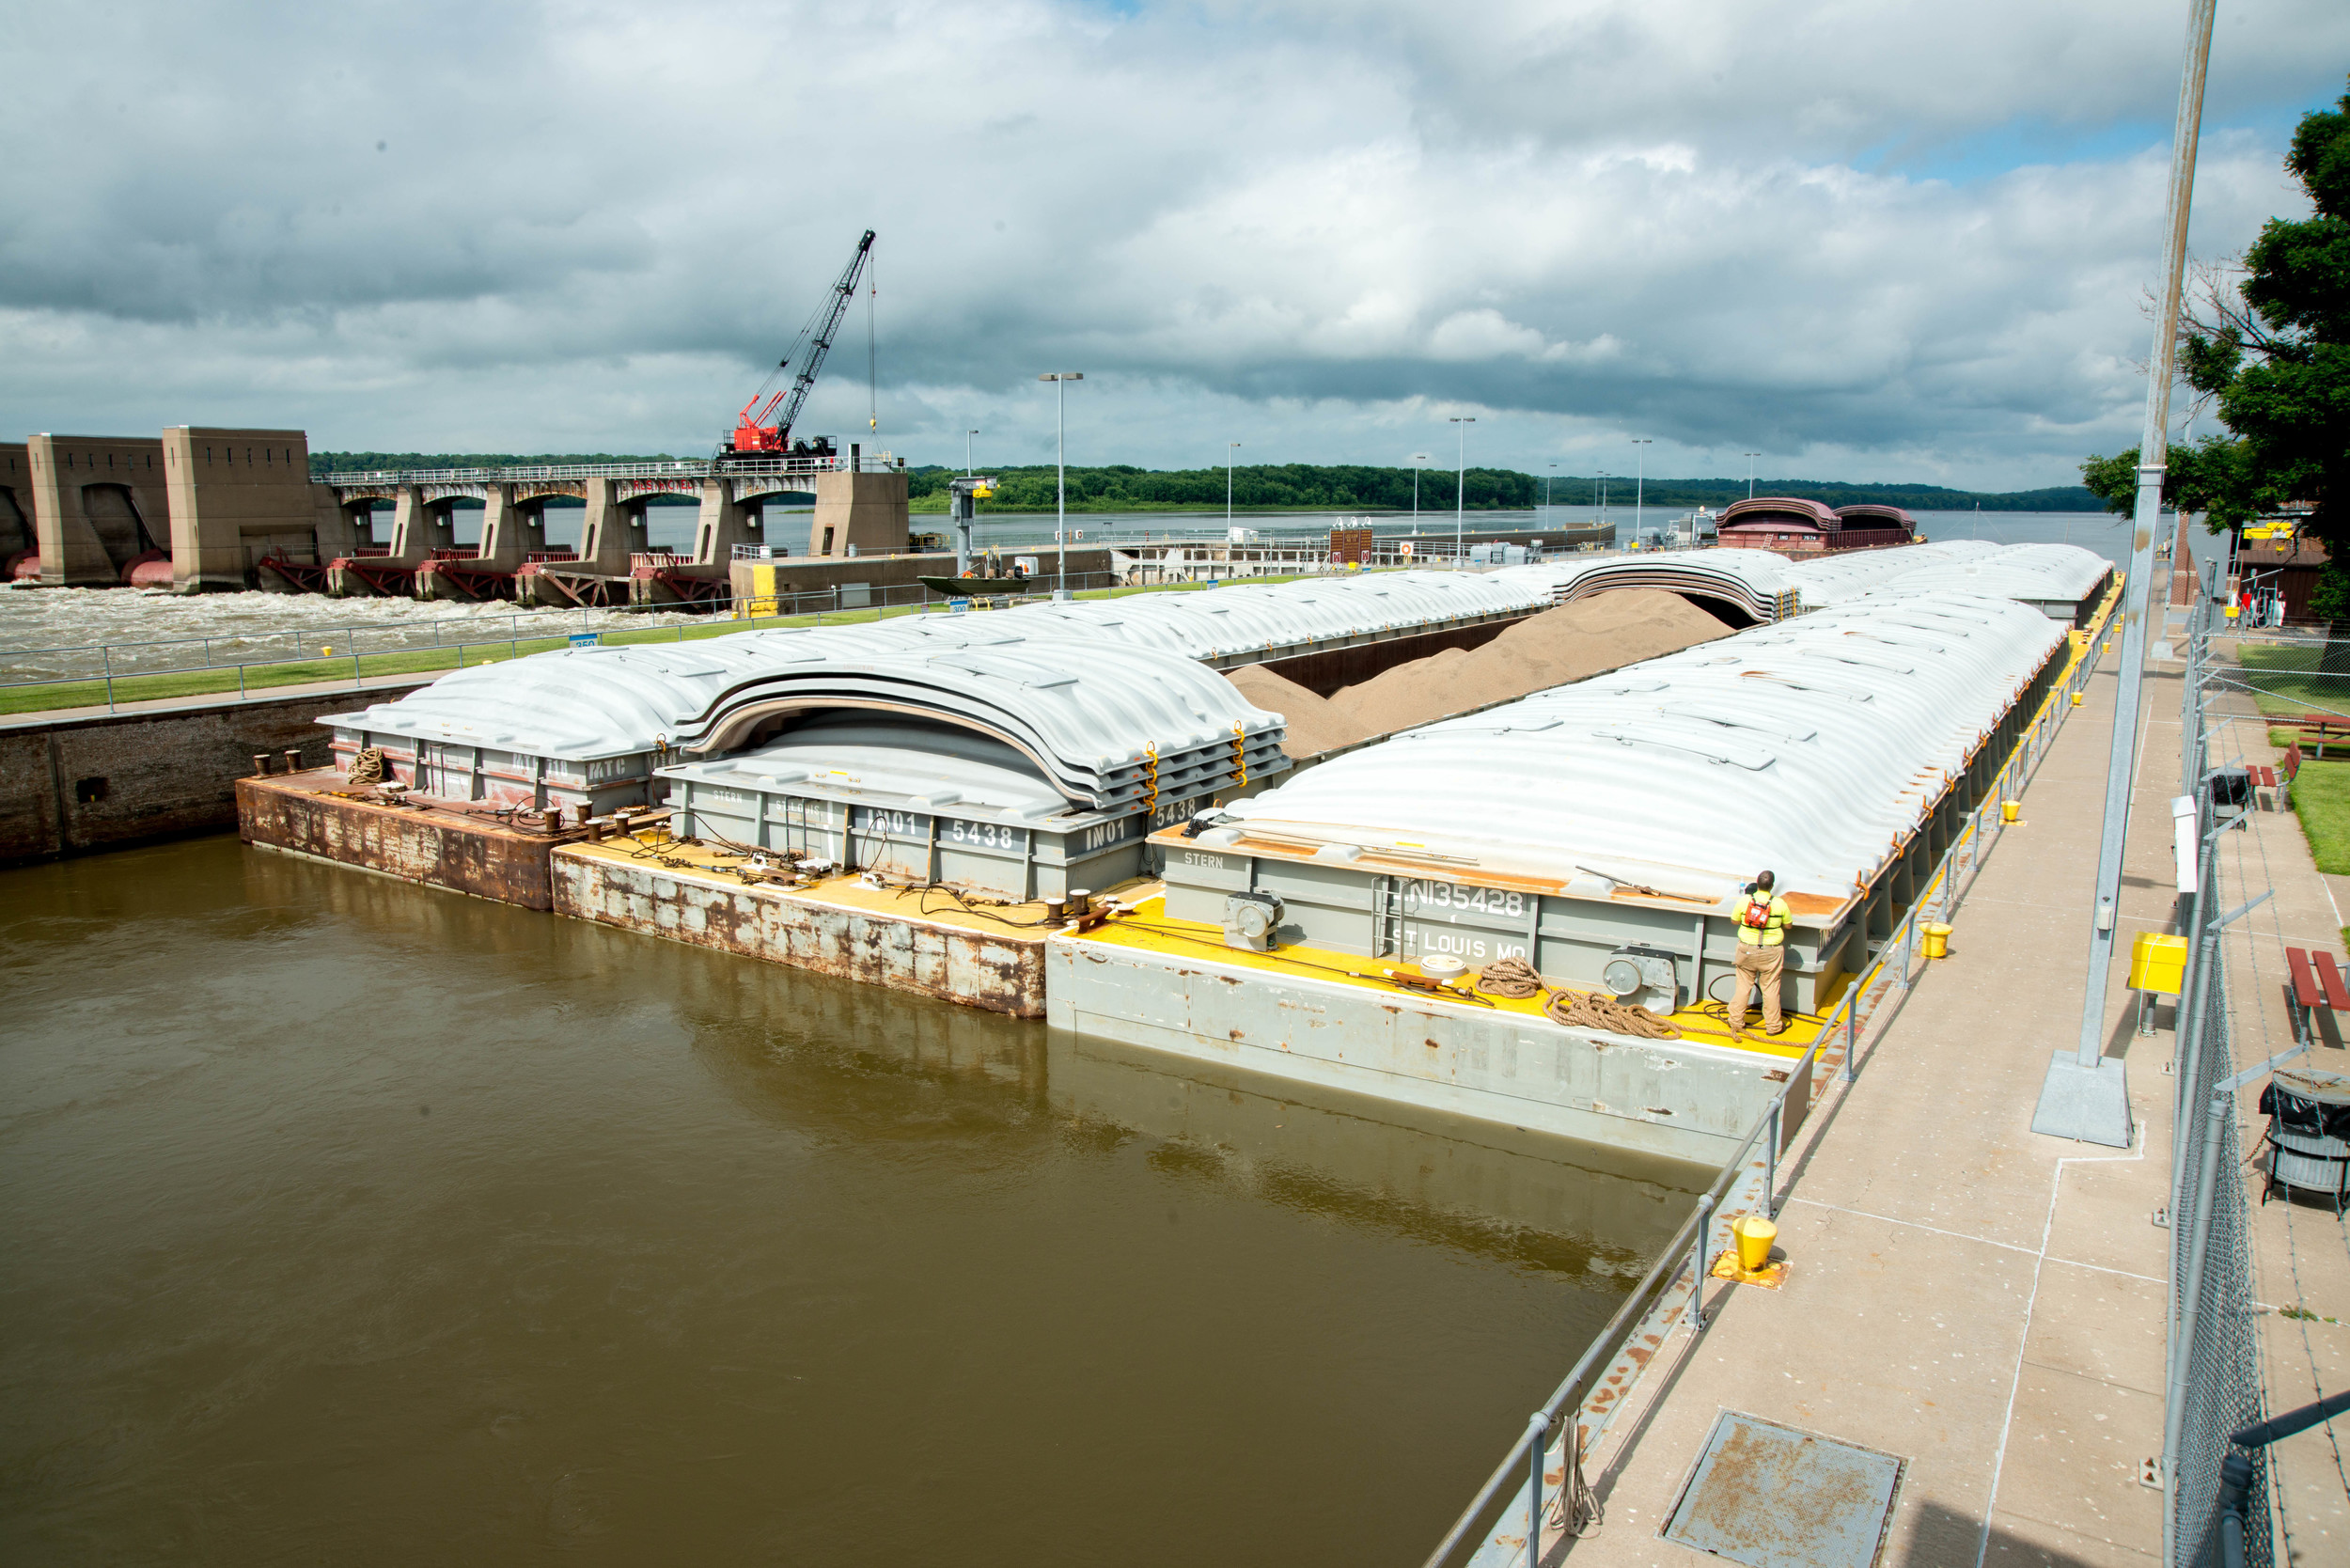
918, 803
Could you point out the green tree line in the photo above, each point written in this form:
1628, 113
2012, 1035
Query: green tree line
1315, 487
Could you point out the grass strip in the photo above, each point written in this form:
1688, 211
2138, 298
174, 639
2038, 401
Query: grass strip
2321, 799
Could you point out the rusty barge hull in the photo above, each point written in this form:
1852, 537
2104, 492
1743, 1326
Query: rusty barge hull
1001, 972
432, 847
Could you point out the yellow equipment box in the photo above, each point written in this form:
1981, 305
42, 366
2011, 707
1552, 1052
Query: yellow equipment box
2158, 963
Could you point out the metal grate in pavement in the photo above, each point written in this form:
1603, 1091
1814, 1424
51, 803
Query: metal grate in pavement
1770, 1496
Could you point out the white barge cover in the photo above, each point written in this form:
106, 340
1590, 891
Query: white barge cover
1106, 724
1813, 747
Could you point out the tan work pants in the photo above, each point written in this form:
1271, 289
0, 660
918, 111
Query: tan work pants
1759, 965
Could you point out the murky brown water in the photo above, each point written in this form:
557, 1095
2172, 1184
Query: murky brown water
348, 1222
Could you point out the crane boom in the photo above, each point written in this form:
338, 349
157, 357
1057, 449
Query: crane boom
765, 423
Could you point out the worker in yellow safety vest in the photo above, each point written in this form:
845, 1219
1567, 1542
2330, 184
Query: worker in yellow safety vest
1762, 918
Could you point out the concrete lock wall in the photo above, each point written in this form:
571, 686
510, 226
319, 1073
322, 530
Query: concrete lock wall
99, 503
867, 511
70, 786
235, 496
17, 535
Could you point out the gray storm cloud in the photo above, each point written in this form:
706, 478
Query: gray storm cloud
1316, 228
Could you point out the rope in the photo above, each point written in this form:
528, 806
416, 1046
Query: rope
1240, 751
1578, 1011
1150, 806
366, 768
1512, 979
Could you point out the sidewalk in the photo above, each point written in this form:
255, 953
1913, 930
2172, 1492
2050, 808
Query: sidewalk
1981, 1302
1988, 1304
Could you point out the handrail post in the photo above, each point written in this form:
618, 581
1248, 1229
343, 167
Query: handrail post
1698, 1245
1538, 1429
1851, 1025
1770, 1162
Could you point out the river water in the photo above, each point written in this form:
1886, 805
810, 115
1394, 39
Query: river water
350, 1221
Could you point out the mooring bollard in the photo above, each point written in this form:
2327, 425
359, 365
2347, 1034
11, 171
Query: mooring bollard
260, 764
293, 760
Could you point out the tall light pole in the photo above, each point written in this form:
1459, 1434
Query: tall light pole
1460, 486
968, 438
1547, 480
1639, 482
1229, 448
1419, 459
1060, 380
1750, 457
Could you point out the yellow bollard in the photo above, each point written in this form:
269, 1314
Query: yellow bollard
1937, 940
2076, 699
2010, 809
1754, 1235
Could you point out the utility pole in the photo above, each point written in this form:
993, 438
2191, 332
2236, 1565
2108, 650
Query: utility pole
1060, 477
1750, 457
1548, 480
1229, 448
2085, 1095
1419, 459
1639, 482
1460, 489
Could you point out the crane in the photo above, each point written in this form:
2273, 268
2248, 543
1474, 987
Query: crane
765, 426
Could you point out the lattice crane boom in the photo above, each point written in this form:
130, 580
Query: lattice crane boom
765, 423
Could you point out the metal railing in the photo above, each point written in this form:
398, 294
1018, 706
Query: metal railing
689, 468
1684, 1260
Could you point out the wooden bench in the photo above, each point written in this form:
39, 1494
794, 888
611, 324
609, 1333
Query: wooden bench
2316, 983
2266, 778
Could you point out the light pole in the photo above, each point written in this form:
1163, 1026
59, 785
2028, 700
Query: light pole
1060, 477
1229, 448
1547, 480
1750, 457
1419, 459
968, 438
1460, 485
1639, 481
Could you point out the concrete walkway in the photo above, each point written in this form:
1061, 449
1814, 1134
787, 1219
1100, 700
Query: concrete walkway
1986, 1303
1983, 1302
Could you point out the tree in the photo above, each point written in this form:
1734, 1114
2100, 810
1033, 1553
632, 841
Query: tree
2272, 346
2213, 477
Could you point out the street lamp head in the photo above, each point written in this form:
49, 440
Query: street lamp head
1062, 375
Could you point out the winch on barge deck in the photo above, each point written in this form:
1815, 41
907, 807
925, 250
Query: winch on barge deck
1610, 821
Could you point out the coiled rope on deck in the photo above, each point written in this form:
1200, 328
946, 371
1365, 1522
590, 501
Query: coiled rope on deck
1514, 978
1580, 1011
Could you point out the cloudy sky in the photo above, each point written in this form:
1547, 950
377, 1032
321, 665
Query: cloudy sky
1882, 240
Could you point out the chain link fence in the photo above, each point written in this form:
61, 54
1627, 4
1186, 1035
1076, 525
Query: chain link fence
2214, 1384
